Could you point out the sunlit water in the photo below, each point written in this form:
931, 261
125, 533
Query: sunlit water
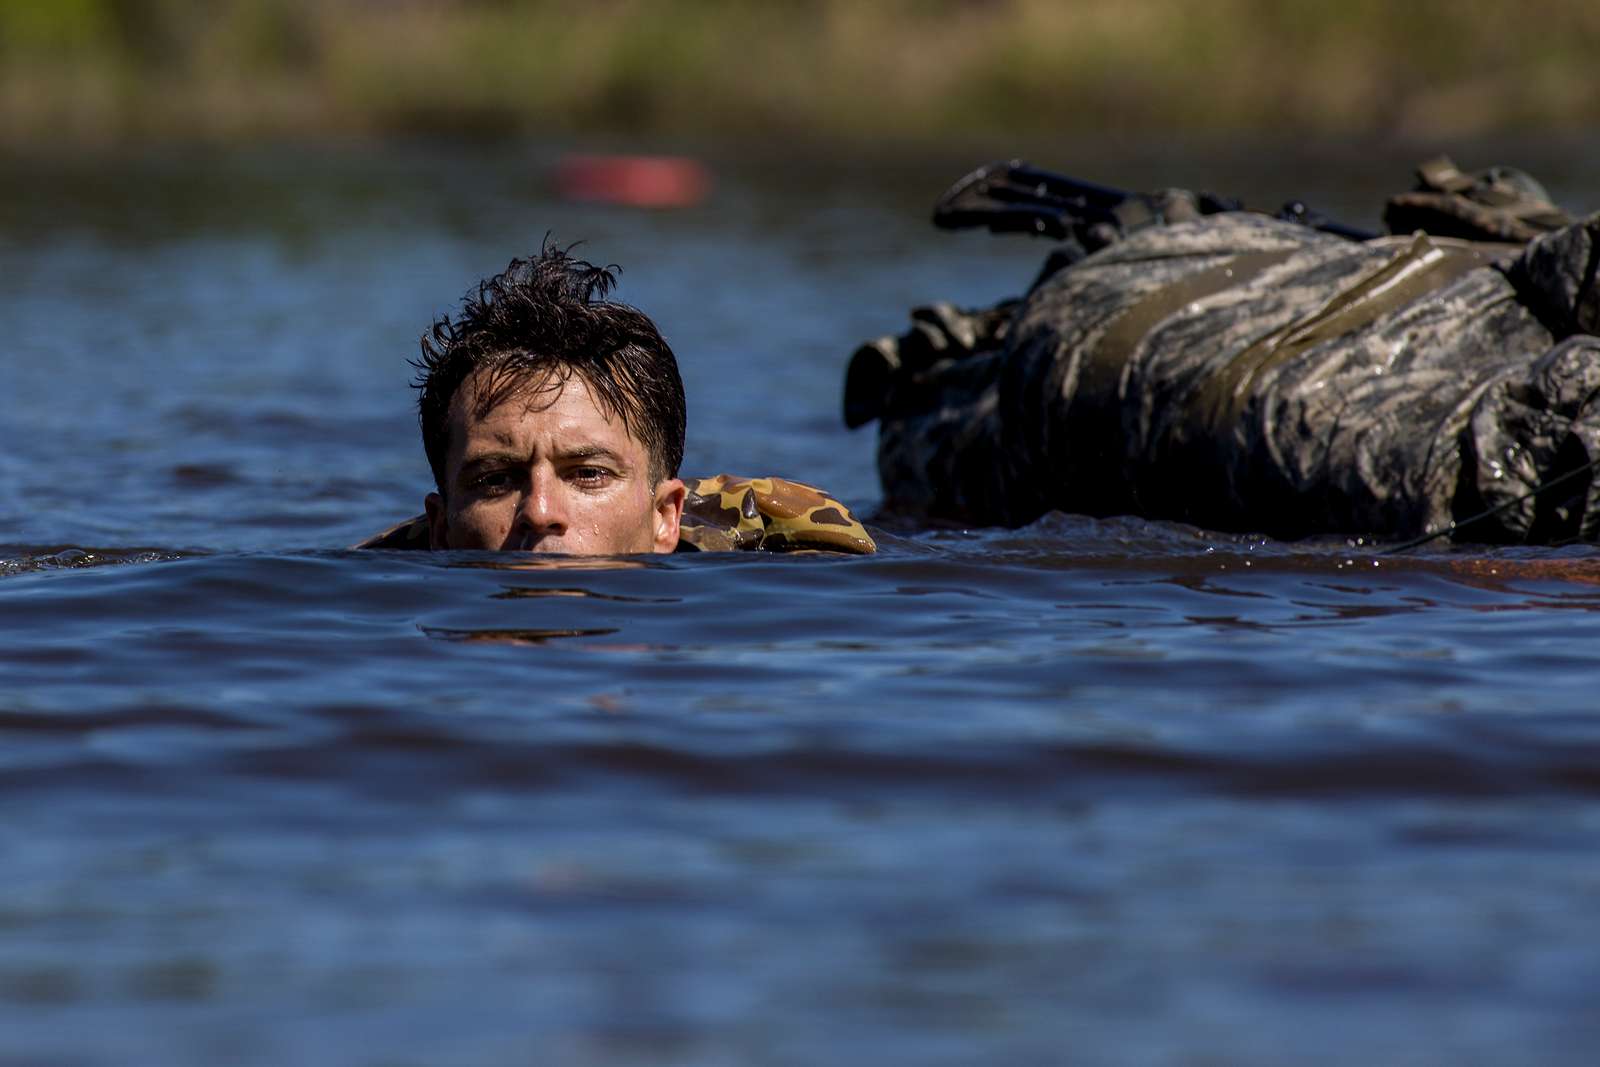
1089, 792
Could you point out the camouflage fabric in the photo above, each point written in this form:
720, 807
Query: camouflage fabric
724, 513
1244, 373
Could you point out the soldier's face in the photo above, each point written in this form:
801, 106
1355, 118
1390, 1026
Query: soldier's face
547, 470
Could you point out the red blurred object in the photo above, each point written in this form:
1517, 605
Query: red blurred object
637, 181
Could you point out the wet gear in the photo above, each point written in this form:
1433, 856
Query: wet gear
1248, 373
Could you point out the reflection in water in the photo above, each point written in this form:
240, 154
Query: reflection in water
528, 561
29, 558
521, 592
522, 636
1495, 572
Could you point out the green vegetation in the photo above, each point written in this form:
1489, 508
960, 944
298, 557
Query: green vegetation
108, 71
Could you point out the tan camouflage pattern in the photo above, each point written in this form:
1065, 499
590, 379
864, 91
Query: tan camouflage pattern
1244, 373
724, 514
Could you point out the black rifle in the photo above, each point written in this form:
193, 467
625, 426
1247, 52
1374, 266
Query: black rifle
1016, 197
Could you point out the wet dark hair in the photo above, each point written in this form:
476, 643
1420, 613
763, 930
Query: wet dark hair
545, 319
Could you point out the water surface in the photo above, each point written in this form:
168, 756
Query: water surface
1095, 791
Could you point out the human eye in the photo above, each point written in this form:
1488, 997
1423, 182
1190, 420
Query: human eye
491, 482
591, 476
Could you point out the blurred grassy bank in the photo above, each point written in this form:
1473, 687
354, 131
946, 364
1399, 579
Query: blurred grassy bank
91, 72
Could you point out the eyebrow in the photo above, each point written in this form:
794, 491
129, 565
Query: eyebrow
475, 463
494, 457
590, 452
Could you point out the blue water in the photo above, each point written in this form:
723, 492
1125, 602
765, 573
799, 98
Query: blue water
1090, 792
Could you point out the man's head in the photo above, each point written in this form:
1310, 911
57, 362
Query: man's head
553, 419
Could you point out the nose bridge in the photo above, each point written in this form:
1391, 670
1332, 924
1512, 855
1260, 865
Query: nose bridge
543, 506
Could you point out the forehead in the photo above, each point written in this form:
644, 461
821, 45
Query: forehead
501, 408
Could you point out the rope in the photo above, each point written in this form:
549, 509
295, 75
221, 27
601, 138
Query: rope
1453, 526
